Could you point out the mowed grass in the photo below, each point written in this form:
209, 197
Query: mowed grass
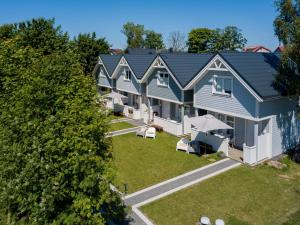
114, 117
242, 196
141, 162
120, 126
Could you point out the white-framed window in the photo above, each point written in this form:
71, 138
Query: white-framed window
222, 85
101, 73
264, 127
163, 79
127, 75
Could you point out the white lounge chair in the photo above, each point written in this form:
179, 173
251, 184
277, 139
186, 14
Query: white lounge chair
184, 144
141, 132
150, 132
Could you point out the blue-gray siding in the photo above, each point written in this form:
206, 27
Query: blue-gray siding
103, 81
129, 86
241, 102
172, 93
285, 126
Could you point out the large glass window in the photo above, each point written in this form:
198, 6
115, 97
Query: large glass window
222, 85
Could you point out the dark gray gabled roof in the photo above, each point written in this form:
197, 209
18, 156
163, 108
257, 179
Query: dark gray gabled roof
139, 63
185, 66
110, 62
257, 69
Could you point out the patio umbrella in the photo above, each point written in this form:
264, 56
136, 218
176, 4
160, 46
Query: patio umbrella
208, 123
116, 97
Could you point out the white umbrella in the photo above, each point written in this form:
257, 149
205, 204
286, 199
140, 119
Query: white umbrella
208, 123
116, 95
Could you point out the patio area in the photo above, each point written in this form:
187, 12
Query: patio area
141, 163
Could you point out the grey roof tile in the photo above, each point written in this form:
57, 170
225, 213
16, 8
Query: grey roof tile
185, 66
257, 69
139, 63
110, 62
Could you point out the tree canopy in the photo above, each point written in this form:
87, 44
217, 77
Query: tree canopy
287, 28
209, 40
138, 37
153, 40
89, 47
134, 34
55, 162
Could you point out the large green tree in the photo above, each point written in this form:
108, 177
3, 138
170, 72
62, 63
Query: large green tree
55, 162
134, 34
200, 40
230, 38
153, 40
209, 40
89, 47
287, 28
40, 34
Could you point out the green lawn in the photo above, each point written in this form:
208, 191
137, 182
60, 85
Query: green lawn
143, 162
242, 196
119, 126
113, 117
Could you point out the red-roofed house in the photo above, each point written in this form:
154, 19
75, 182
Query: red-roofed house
258, 48
279, 49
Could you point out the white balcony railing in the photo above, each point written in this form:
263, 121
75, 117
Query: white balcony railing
249, 154
170, 126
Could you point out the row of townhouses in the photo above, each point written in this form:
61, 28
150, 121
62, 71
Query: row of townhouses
168, 89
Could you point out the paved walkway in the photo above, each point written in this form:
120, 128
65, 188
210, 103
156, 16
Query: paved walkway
136, 123
168, 187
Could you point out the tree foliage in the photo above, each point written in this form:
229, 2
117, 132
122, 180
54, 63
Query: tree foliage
153, 40
200, 40
138, 37
55, 162
231, 39
89, 47
208, 40
287, 28
134, 34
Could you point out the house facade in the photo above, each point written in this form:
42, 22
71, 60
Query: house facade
169, 89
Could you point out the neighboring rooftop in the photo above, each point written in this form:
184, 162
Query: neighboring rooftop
279, 49
257, 48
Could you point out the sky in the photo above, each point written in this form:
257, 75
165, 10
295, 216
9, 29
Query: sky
106, 17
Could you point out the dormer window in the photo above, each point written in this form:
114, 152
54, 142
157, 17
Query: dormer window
163, 79
222, 85
127, 75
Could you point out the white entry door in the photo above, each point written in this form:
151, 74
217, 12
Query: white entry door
264, 139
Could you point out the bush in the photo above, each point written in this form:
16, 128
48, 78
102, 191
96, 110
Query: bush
295, 154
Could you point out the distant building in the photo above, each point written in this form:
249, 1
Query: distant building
116, 51
279, 49
258, 48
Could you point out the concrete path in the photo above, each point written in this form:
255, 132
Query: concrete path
124, 131
136, 123
168, 187
120, 120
